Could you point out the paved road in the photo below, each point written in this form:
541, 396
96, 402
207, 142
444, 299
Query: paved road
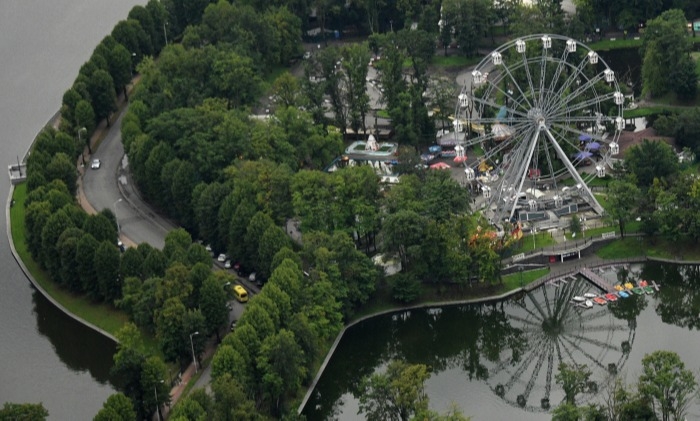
137, 221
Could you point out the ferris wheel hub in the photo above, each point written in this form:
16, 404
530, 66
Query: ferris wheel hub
537, 116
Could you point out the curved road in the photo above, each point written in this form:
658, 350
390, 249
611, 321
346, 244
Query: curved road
104, 188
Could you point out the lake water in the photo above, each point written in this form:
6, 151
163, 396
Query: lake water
44, 355
499, 360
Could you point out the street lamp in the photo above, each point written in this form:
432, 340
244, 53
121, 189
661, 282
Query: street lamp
155, 392
534, 234
194, 359
114, 205
520, 269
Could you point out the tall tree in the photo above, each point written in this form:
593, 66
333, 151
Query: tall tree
212, 303
665, 49
668, 384
396, 395
622, 200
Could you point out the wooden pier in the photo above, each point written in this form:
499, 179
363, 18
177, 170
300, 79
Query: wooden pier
596, 280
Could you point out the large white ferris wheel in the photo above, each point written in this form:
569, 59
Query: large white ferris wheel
543, 114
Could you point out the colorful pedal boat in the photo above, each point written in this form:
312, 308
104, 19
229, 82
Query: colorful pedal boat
619, 287
638, 290
612, 297
623, 294
649, 290
600, 301
643, 283
628, 285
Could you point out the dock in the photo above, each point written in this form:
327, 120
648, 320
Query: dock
596, 280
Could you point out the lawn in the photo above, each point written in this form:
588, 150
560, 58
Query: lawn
652, 247
101, 315
518, 279
607, 44
527, 244
646, 111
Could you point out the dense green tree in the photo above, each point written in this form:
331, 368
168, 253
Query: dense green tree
231, 402
402, 232
649, 160
153, 375
170, 330
100, 227
665, 48
130, 264
355, 71
212, 303
85, 259
470, 20
67, 251
154, 264
35, 218
128, 363
117, 407
273, 240
107, 261
102, 96
668, 384
23, 411
235, 80
257, 226
397, 395
622, 200
574, 380
50, 233
62, 167
281, 365
206, 209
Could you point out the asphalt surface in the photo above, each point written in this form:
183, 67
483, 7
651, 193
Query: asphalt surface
137, 221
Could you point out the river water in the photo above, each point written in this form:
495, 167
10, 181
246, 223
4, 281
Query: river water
499, 360
44, 355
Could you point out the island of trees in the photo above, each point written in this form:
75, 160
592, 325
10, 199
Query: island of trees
235, 182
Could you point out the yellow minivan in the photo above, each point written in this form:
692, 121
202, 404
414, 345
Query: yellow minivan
240, 293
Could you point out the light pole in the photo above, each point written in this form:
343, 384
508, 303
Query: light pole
194, 359
534, 234
520, 269
155, 391
114, 205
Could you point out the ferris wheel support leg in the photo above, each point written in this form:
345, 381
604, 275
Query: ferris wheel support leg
572, 170
523, 170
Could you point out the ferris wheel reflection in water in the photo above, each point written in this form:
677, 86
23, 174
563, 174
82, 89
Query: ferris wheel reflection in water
559, 331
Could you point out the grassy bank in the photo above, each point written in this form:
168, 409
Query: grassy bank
652, 247
101, 315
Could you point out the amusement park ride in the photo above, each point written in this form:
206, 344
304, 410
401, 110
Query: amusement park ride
546, 111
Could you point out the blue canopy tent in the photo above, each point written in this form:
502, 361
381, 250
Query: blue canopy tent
582, 155
593, 146
584, 137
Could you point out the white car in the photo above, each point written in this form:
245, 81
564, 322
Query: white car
227, 265
222, 258
95, 165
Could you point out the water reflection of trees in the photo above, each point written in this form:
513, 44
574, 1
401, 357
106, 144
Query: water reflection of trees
463, 339
678, 299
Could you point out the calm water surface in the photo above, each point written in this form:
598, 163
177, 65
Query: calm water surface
44, 355
499, 361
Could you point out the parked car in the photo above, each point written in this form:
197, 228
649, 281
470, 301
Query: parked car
222, 258
95, 165
227, 264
